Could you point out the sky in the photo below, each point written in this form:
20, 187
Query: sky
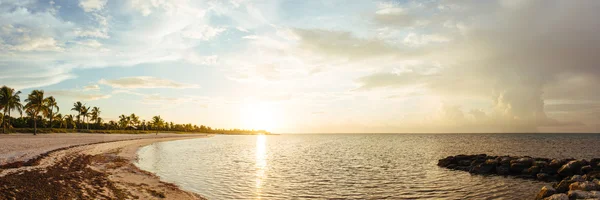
323, 66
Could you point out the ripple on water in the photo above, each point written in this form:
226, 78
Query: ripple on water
376, 166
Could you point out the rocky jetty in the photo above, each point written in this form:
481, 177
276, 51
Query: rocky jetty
573, 179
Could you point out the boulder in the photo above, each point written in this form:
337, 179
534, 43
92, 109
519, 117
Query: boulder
517, 167
563, 186
577, 178
594, 161
579, 194
527, 161
585, 169
571, 168
584, 186
558, 197
503, 170
505, 160
446, 161
464, 162
486, 167
548, 170
463, 168
556, 163
533, 170
464, 157
540, 163
545, 177
592, 175
546, 191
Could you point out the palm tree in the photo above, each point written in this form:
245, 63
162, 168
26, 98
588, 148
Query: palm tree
70, 121
134, 120
51, 104
77, 106
124, 121
112, 125
36, 104
143, 125
96, 115
158, 122
58, 118
85, 113
9, 100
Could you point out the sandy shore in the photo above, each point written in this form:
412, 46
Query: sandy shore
88, 166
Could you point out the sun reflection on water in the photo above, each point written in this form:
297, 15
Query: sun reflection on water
261, 162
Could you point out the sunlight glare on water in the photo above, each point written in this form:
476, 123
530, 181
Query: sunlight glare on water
261, 162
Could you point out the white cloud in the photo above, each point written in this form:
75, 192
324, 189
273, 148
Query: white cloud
416, 40
201, 60
145, 82
90, 43
96, 33
91, 87
92, 5
202, 32
25, 39
79, 95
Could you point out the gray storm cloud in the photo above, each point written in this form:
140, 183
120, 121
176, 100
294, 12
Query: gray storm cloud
517, 54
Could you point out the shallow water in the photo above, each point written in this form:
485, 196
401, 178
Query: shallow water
352, 166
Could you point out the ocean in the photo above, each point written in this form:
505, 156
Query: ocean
352, 166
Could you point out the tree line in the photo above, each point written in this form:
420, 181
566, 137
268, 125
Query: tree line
43, 112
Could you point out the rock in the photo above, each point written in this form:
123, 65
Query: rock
556, 163
464, 157
446, 161
533, 170
563, 186
578, 194
477, 161
594, 161
546, 191
503, 170
517, 167
584, 186
585, 169
464, 162
463, 168
548, 170
505, 160
577, 178
540, 163
592, 175
545, 177
558, 197
527, 161
571, 168
486, 167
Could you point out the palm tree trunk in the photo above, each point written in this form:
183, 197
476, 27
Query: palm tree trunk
35, 125
4, 122
50, 118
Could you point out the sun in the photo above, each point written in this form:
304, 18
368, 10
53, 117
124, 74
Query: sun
259, 116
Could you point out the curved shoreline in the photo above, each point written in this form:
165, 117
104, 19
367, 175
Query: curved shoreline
103, 170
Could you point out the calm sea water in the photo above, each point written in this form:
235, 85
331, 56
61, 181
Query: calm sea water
352, 166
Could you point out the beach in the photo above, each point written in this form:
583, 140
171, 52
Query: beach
82, 166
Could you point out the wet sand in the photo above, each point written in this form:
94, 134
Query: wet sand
82, 166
